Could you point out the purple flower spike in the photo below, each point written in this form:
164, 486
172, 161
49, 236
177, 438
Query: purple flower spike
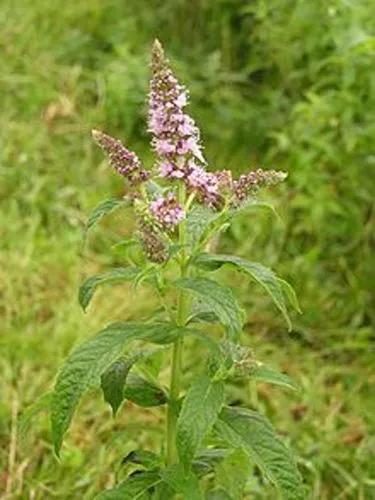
176, 138
125, 162
250, 183
167, 211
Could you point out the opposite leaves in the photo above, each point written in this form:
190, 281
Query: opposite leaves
199, 412
253, 433
87, 362
219, 300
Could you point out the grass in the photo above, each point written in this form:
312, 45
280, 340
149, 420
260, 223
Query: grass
84, 66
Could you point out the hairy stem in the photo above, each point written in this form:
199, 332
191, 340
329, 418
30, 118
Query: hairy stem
176, 369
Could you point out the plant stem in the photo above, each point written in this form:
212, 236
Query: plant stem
176, 369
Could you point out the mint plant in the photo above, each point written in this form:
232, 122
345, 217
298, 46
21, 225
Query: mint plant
210, 448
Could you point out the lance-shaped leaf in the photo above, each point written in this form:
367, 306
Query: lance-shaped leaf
135, 487
218, 299
182, 482
263, 275
118, 275
142, 392
104, 208
266, 374
199, 412
112, 382
87, 362
253, 433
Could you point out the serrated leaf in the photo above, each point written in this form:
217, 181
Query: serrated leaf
87, 362
197, 221
267, 374
112, 382
117, 275
253, 433
147, 459
182, 482
142, 392
199, 412
263, 275
104, 208
136, 487
218, 299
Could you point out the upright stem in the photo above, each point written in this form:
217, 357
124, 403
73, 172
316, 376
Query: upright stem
175, 381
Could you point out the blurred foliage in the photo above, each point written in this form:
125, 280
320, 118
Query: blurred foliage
287, 84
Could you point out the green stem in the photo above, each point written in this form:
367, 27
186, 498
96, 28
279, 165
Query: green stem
176, 369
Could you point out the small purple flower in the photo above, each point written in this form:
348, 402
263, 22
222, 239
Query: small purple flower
125, 162
167, 211
205, 184
176, 138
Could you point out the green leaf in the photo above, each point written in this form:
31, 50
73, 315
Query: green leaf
185, 483
104, 208
146, 458
199, 412
118, 275
197, 221
113, 381
135, 487
218, 494
218, 299
290, 294
203, 317
233, 472
142, 392
267, 374
42, 404
263, 275
253, 433
87, 362
207, 460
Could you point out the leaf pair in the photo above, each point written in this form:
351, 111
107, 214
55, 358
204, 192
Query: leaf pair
85, 365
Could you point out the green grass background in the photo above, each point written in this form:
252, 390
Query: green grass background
286, 84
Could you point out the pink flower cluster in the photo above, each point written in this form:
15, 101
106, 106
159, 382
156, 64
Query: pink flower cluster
176, 137
125, 162
167, 211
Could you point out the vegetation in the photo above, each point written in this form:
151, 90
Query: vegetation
291, 82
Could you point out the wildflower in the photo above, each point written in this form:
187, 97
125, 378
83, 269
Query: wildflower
176, 138
206, 184
250, 183
167, 211
125, 162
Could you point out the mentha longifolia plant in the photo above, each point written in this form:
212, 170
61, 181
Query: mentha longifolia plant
210, 447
